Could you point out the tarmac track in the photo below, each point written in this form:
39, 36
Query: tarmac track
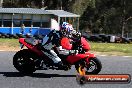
10, 77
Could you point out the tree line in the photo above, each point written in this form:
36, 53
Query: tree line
97, 16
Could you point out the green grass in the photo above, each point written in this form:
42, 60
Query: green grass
102, 48
112, 48
9, 42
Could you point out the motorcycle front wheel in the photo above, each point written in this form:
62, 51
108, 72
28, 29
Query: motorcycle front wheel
94, 67
23, 61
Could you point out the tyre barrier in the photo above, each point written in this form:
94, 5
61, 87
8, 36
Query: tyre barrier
107, 38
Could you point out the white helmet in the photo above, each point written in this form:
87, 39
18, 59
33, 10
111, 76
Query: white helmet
64, 24
67, 27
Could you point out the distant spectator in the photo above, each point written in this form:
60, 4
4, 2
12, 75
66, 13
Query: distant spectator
22, 28
30, 30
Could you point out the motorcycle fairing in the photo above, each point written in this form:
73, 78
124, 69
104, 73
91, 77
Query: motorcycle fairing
65, 43
32, 47
85, 44
76, 57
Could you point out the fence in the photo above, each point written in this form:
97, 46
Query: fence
32, 30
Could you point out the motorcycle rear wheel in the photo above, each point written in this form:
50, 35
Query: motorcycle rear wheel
23, 61
94, 65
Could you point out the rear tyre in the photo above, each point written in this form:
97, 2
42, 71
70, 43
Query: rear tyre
23, 61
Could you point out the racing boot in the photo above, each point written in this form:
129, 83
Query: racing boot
61, 66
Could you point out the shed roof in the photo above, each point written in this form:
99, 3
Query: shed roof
62, 13
24, 11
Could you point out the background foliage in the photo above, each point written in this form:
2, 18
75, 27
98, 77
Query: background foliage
97, 16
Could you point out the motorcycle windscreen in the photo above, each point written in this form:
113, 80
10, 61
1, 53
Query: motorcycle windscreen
85, 44
65, 43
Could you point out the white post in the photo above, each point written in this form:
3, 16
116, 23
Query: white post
12, 24
59, 20
2, 21
78, 24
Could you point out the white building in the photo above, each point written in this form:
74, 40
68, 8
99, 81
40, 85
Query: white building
37, 20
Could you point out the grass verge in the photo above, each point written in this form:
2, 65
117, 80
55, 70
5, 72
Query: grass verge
98, 48
112, 48
9, 44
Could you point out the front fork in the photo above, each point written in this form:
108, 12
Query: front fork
81, 71
81, 65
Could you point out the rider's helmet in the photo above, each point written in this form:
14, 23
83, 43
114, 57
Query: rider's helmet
67, 29
64, 24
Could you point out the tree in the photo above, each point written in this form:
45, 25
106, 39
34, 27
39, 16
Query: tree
98, 16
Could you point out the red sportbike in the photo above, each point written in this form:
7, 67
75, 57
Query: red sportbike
31, 59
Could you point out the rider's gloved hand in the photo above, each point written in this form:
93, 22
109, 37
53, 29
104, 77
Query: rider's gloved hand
73, 52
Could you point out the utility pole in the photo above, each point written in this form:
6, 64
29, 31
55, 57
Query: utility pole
123, 16
61, 5
1, 2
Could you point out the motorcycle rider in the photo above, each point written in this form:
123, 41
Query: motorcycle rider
49, 41
52, 39
66, 31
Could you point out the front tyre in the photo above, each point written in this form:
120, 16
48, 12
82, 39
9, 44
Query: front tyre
23, 61
93, 67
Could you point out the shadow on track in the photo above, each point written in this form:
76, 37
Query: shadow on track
36, 75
